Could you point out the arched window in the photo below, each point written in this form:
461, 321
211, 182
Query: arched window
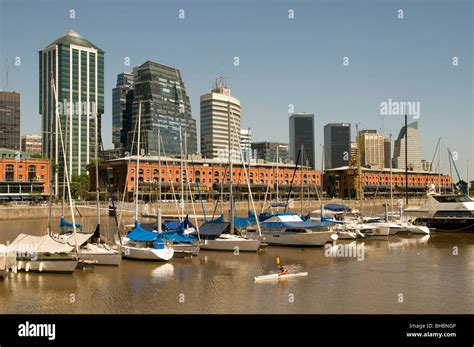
31, 172
9, 172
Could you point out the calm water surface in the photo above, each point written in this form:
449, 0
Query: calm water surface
422, 269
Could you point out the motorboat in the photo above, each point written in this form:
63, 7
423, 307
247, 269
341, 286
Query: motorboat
454, 212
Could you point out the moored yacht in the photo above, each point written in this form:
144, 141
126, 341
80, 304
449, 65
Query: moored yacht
289, 229
445, 213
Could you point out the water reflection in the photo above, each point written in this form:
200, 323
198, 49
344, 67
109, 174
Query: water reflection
423, 267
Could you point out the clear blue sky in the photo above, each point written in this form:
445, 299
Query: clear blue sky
282, 61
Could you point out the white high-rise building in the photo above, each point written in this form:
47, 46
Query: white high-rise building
414, 149
371, 149
246, 143
218, 109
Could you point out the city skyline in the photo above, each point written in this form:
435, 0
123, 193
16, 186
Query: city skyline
312, 60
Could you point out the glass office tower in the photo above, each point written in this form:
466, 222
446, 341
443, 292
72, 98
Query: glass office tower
165, 106
77, 68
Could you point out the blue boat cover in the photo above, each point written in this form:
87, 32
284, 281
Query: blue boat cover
140, 234
159, 244
336, 207
65, 224
243, 222
172, 224
177, 226
175, 237
219, 219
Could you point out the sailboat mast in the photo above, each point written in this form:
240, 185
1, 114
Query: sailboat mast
66, 171
391, 181
159, 165
277, 171
96, 158
406, 158
51, 172
138, 159
439, 167
186, 170
302, 187
64, 177
181, 169
231, 198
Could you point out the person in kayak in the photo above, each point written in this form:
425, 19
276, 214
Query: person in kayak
281, 269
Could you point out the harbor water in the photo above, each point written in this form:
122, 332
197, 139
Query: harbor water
396, 274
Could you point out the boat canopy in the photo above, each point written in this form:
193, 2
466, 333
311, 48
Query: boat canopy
212, 229
265, 215
140, 234
336, 207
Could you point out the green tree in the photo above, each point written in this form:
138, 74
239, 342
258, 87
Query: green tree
79, 186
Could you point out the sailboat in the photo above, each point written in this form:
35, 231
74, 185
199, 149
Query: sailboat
218, 235
289, 229
93, 252
46, 253
141, 244
97, 251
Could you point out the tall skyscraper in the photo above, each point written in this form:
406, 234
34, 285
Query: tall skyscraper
371, 149
165, 107
271, 151
10, 120
218, 110
414, 148
302, 134
337, 145
32, 143
387, 152
122, 99
246, 144
77, 69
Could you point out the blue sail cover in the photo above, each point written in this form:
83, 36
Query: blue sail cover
172, 224
65, 224
175, 237
243, 222
159, 244
219, 219
177, 226
336, 207
140, 234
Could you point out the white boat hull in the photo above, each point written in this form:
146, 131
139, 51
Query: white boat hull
231, 245
183, 249
278, 277
146, 253
100, 254
50, 265
418, 229
112, 259
301, 239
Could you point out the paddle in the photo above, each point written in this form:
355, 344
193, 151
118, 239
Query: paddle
278, 264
